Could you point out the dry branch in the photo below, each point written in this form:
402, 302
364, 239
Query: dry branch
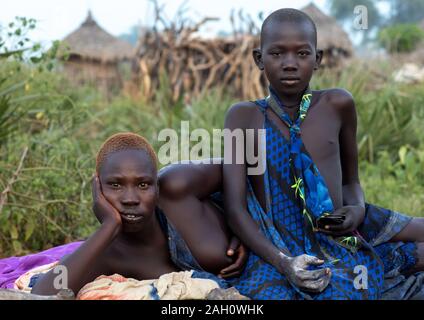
194, 65
3, 195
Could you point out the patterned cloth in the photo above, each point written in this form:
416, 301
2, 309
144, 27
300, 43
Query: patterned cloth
296, 196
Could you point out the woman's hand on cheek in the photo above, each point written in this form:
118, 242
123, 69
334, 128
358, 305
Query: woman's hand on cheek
103, 209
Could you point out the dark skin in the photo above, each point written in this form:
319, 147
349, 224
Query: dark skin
288, 57
130, 241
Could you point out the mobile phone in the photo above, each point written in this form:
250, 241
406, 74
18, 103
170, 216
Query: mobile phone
330, 220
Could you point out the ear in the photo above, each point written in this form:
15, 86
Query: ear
318, 59
257, 56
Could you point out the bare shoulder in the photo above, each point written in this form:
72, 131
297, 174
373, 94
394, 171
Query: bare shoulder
244, 114
341, 101
339, 98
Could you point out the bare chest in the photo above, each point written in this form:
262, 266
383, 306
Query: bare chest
320, 136
319, 132
141, 264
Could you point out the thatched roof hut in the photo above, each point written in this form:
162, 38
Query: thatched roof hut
331, 37
94, 55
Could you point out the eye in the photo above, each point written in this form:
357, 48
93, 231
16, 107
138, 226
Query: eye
303, 53
143, 185
275, 54
114, 185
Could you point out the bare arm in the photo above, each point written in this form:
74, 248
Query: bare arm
80, 265
235, 204
352, 191
353, 196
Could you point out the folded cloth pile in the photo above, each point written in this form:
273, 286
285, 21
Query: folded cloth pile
171, 286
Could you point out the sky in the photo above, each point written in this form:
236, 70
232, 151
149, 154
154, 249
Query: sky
57, 18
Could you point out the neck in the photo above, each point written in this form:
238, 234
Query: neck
289, 100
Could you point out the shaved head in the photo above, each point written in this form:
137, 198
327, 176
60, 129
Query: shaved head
122, 142
288, 15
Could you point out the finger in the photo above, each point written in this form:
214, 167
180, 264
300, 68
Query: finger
243, 254
316, 286
341, 211
94, 188
234, 244
311, 260
231, 268
334, 233
313, 275
238, 265
230, 275
99, 185
341, 227
317, 274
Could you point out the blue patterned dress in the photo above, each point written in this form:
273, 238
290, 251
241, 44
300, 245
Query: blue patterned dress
296, 196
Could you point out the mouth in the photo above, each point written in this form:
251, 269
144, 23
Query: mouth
290, 81
131, 217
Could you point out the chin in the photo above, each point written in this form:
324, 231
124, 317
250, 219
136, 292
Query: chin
292, 90
132, 228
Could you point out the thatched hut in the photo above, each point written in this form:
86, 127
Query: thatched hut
332, 39
95, 56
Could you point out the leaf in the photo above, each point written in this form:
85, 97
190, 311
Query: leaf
13, 232
402, 154
29, 229
17, 247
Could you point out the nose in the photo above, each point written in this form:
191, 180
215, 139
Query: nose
130, 197
289, 62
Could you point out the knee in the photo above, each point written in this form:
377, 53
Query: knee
414, 231
420, 231
172, 184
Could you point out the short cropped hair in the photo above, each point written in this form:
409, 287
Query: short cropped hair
289, 15
125, 141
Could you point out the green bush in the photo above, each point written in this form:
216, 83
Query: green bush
396, 184
400, 37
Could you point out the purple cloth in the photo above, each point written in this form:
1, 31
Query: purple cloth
12, 268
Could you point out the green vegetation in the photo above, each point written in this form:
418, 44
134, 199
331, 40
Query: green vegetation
401, 37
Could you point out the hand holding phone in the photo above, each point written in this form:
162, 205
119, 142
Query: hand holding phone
330, 220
